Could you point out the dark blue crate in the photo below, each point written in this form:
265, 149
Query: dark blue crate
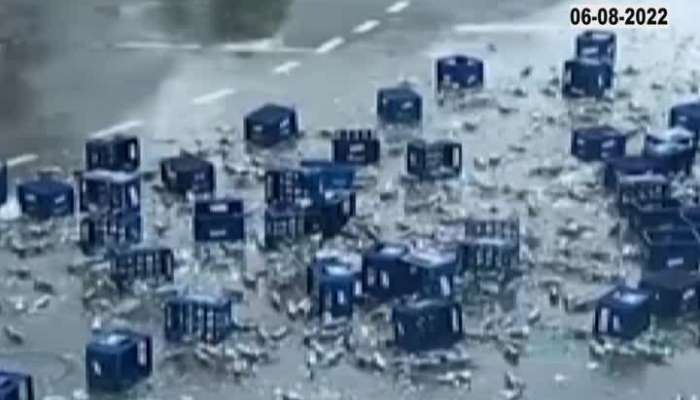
3, 183
219, 220
187, 173
114, 153
102, 191
597, 44
16, 386
507, 228
356, 147
385, 274
326, 175
399, 105
691, 216
199, 318
154, 265
270, 124
431, 161
674, 292
674, 146
459, 72
586, 77
623, 313
669, 248
331, 284
436, 271
336, 209
427, 324
288, 223
597, 143
489, 259
285, 186
116, 360
649, 214
642, 189
112, 229
630, 166
46, 197
686, 115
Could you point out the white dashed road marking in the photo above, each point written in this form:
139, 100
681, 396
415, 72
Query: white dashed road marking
21, 159
213, 96
286, 67
366, 26
121, 127
398, 7
329, 45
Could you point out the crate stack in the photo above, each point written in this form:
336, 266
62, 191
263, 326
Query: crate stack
590, 72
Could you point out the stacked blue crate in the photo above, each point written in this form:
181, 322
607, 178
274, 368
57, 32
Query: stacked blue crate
154, 265
597, 143
271, 124
331, 284
16, 386
3, 183
400, 105
110, 229
630, 166
46, 197
287, 223
641, 189
623, 313
285, 186
668, 248
435, 270
385, 274
115, 153
491, 248
327, 175
431, 161
686, 115
587, 77
459, 72
597, 44
674, 147
117, 360
109, 191
427, 324
674, 292
356, 147
645, 214
187, 173
219, 220
207, 319
336, 210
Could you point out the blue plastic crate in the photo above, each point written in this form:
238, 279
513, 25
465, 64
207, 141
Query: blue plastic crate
669, 248
207, 319
586, 77
674, 146
46, 197
686, 115
187, 173
640, 188
597, 143
285, 186
323, 175
427, 324
491, 227
489, 259
400, 105
109, 230
597, 44
431, 161
630, 166
623, 313
674, 292
102, 191
114, 153
270, 124
288, 223
385, 274
356, 146
691, 216
331, 284
219, 220
648, 214
459, 72
16, 386
436, 271
117, 360
335, 210
3, 183
154, 265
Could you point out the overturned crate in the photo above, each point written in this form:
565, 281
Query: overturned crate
597, 143
427, 324
187, 173
46, 197
356, 147
586, 77
154, 265
623, 313
116, 360
668, 248
103, 191
331, 284
432, 161
114, 153
16, 386
458, 73
199, 318
674, 292
270, 125
597, 44
400, 105
219, 220
385, 274
110, 229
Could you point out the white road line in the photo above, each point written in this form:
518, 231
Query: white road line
329, 45
213, 96
22, 159
506, 28
134, 45
118, 128
366, 26
286, 67
398, 7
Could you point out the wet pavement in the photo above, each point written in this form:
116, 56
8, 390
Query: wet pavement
178, 70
